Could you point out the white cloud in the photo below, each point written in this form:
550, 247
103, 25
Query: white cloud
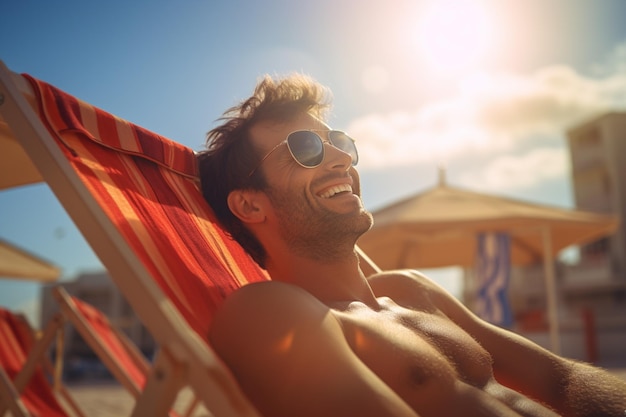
440, 131
516, 122
519, 171
550, 100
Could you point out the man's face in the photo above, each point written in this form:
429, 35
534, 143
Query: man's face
315, 208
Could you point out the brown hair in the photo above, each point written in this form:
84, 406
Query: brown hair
226, 163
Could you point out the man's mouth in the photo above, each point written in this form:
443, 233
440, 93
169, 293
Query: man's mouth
337, 189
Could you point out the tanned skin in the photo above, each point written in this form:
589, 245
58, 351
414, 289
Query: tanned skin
322, 339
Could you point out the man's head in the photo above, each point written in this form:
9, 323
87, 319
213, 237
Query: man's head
247, 148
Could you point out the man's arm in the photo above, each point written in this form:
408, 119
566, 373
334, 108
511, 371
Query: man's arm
290, 356
591, 391
569, 387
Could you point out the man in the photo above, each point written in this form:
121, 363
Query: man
322, 339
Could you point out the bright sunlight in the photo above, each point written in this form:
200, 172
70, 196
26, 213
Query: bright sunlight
455, 37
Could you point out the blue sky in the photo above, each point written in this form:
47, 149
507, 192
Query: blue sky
486, 88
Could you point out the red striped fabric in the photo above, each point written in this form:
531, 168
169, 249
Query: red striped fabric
148, 186
16, 340
102, 329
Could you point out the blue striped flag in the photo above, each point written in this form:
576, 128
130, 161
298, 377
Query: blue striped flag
493, 271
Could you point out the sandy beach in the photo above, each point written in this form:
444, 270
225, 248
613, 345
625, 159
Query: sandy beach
98, 399
111, 400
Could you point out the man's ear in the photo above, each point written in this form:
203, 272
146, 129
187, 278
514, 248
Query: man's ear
246, 205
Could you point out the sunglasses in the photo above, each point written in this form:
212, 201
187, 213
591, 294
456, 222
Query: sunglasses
307, 147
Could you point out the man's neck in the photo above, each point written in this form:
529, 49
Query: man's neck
331, 282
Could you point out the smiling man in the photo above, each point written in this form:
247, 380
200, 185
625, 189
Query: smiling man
321, 338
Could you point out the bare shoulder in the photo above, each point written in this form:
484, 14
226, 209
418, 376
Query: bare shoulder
404, 278
257, 318
258, 307
409, 287
257, 294
265, 333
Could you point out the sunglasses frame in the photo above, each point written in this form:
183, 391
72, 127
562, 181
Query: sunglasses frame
315, 131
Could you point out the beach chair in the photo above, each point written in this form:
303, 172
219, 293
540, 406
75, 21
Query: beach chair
116, 351
134, 196
25, 389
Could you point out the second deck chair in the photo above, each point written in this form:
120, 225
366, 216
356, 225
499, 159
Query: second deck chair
25, 389
134, 195
119, 354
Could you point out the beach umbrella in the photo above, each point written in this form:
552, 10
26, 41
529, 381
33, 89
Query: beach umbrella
439, 228
16, 168
18, 263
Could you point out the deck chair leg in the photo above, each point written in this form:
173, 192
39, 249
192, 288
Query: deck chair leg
71, 402
162, 387
37, 353
10, 398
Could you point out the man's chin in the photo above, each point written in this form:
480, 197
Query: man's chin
367, 222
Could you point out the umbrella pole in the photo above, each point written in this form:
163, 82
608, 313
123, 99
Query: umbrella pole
548, 267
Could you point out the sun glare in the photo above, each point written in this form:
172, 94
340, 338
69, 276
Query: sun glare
454, 37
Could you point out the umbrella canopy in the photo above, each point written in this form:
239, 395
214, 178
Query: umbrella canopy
20, 264
16, 168
438, 228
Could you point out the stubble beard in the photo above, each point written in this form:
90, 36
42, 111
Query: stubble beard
318, 233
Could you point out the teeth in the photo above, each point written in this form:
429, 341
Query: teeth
336, 189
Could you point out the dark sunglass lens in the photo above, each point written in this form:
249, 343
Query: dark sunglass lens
342, 141
306, 147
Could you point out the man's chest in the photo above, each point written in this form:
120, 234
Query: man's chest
407, 348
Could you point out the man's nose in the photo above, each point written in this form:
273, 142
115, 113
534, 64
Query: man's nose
336, 156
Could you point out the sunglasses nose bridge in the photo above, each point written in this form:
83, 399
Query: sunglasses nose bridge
335, 149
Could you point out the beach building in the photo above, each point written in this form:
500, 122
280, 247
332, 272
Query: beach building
591, 292
597, 285
597, 150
